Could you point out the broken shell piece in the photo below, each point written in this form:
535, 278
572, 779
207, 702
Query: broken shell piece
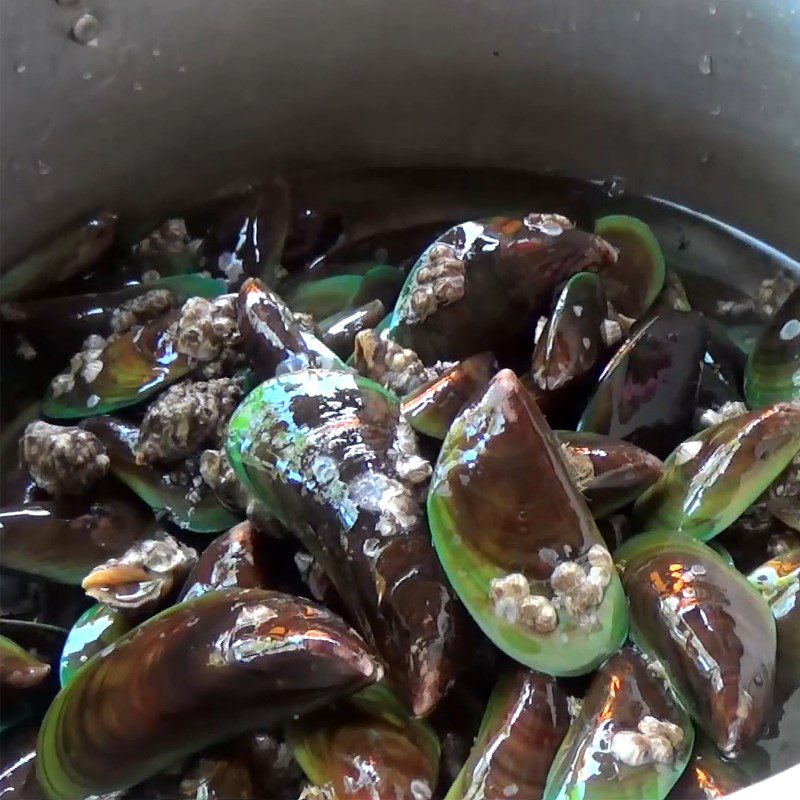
63, 460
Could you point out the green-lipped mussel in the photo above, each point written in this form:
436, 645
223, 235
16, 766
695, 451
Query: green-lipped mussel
709, 629
648, 391
516, 539
482, 284
369, 748
630, 741
179, 494
125, 372
635, 279
198, 673
525, 721
331, 456
773, 368
714, 476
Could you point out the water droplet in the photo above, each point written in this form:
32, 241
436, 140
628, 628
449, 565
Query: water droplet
614, 187
716, 111
86, 29
637, 16
705, 158
137, 86
705, 64
181, 68
712, 10
19, 68
156, 52
42, 168
87, 76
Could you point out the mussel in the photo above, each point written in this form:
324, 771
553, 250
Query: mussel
708, 775
127, 371
339, 331
635, 279
709, 628
370, 748
76, 250
180, 494
433, 406
482, 284
522, 728
631, 739
98, 627
773, 368
64, 540
516, 539
198, 673
610, 473
333, 459
648, 391
715, 475
236, 559
569, 350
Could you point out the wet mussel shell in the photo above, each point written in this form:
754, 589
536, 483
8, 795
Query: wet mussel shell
633, 282
647, 393
482, 284
133, 368
773, 368
154, 485
709, 628
593, 761
324, 452
98, 627
616, 472
571, 347
432, 407
524, 723
373, 728
502, 503
716, 475
196, 674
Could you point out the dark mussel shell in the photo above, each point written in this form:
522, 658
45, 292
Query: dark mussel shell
63, 323
610, 473
154, 485
63, 540
482, 284
20, 669
630, 741
522, 728
236, 559
334, 461
708, 775
368, 749
273, 341
717, 474
648, 392
571, 346
248, 240
200, 672
432, 407
98, 627
505, 514
18, 765
773, 368
339, 330
633, 282
709, 627
76, 250
224, 773
132, 368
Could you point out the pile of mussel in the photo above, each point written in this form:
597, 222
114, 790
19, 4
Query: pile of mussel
511, 520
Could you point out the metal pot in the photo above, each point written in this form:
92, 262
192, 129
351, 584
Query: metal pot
695, 102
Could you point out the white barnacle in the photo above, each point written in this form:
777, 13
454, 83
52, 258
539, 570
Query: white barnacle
598, 556
567, 576
514, 585
630, 748
538, 612
661, 750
